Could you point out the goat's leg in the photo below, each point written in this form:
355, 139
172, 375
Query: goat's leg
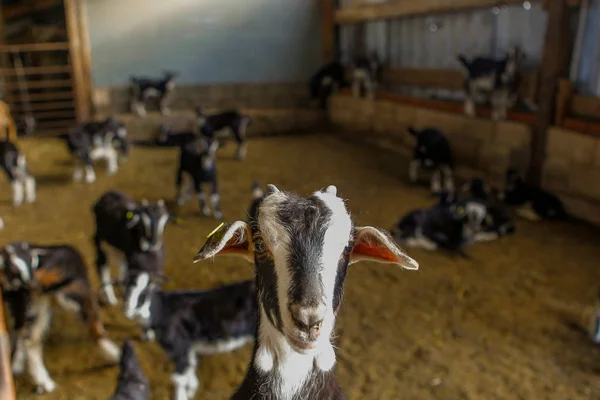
369, 89
356, 87
240, 137
33, 347
205, 209
413, 170
19, 355
103, 269
30, 189
17, 302
163, 105
80, 293
112, 161
448, 178
17, 192
215, 200
183, 194
90, 174
77, 170
470, 106
184, 379
436, 185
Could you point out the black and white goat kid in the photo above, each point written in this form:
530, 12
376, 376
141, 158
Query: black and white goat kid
134, 230
30, 276
534, 202
366, 75
198, 159
301, 248
96, 140
143, 88
496, 81
22, 183
432, 152
132, 383
221, 125
189, 324
326, 82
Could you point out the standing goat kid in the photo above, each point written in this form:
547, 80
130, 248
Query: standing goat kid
30, 275
221, 125
432, 152
143, 88
14, 164
136, 231
491, 80
301, 248
326, 82
366, 74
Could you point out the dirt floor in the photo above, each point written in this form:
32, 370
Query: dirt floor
486, 328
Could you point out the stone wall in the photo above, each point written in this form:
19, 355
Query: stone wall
245, 95
482, 147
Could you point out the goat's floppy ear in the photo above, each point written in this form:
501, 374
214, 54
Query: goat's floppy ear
377, 245
228, 239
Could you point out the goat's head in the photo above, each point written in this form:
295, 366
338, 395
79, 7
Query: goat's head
498, 220
150, 220
170, 75
139, 288
17, 265
301, 247
477, 189
119, 130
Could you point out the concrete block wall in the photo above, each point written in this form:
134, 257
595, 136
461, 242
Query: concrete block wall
246, 95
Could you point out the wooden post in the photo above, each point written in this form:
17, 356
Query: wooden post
81, 106
87, 51
554, 65
7, 385
328, 27
563, 100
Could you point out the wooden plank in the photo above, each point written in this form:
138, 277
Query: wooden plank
29, 7
76, 62
47, 84
425, 78
59, 123
402, 8
50, 46
328, 28
86, 50
51, 69
552, 68
58, 105
50, 114
53, 131
39, 97
585, 106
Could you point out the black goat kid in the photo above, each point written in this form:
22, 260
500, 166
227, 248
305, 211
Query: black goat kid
432, 152
221, 125
14, 164
143, 88
326, 82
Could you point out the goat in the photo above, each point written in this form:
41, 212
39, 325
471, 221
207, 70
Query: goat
96, 140
492, 80
327, 81
30, 275
432, 151
301, 248
188, 324
366, 74
15, 165
170, 138
198, 159
132, 383
221, 125
143, 88
535, 203
136, 231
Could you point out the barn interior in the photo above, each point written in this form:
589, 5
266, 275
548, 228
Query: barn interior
512, 318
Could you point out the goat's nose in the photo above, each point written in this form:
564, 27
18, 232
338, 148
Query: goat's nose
308, 319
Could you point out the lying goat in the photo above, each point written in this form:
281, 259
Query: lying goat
327, 81
30, 275
433, 152
366, 74
198, 159
95, 140
301, 248
535, 202
14, 164
169, 138
188, 324
136, 231
491, 80
143, 88
132, 383
219, 126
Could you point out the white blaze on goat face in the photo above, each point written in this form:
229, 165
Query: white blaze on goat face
132, 310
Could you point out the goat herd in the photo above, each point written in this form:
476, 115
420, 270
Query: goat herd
300, 246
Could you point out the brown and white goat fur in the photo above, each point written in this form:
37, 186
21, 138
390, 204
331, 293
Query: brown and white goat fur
30, 276
301, 248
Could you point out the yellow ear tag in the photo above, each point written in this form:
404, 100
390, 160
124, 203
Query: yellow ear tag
129, 214
216, 230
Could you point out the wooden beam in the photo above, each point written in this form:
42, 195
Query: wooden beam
86, 50
40, 97
35, 47
57, 105
403, 8
59, 123
553, 66
47, 84
51, 69
38, 115
81, 106
28, 8
328, 28
585, 106
7, 385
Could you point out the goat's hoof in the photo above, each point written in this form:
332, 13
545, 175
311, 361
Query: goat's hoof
206, 211
45, 387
